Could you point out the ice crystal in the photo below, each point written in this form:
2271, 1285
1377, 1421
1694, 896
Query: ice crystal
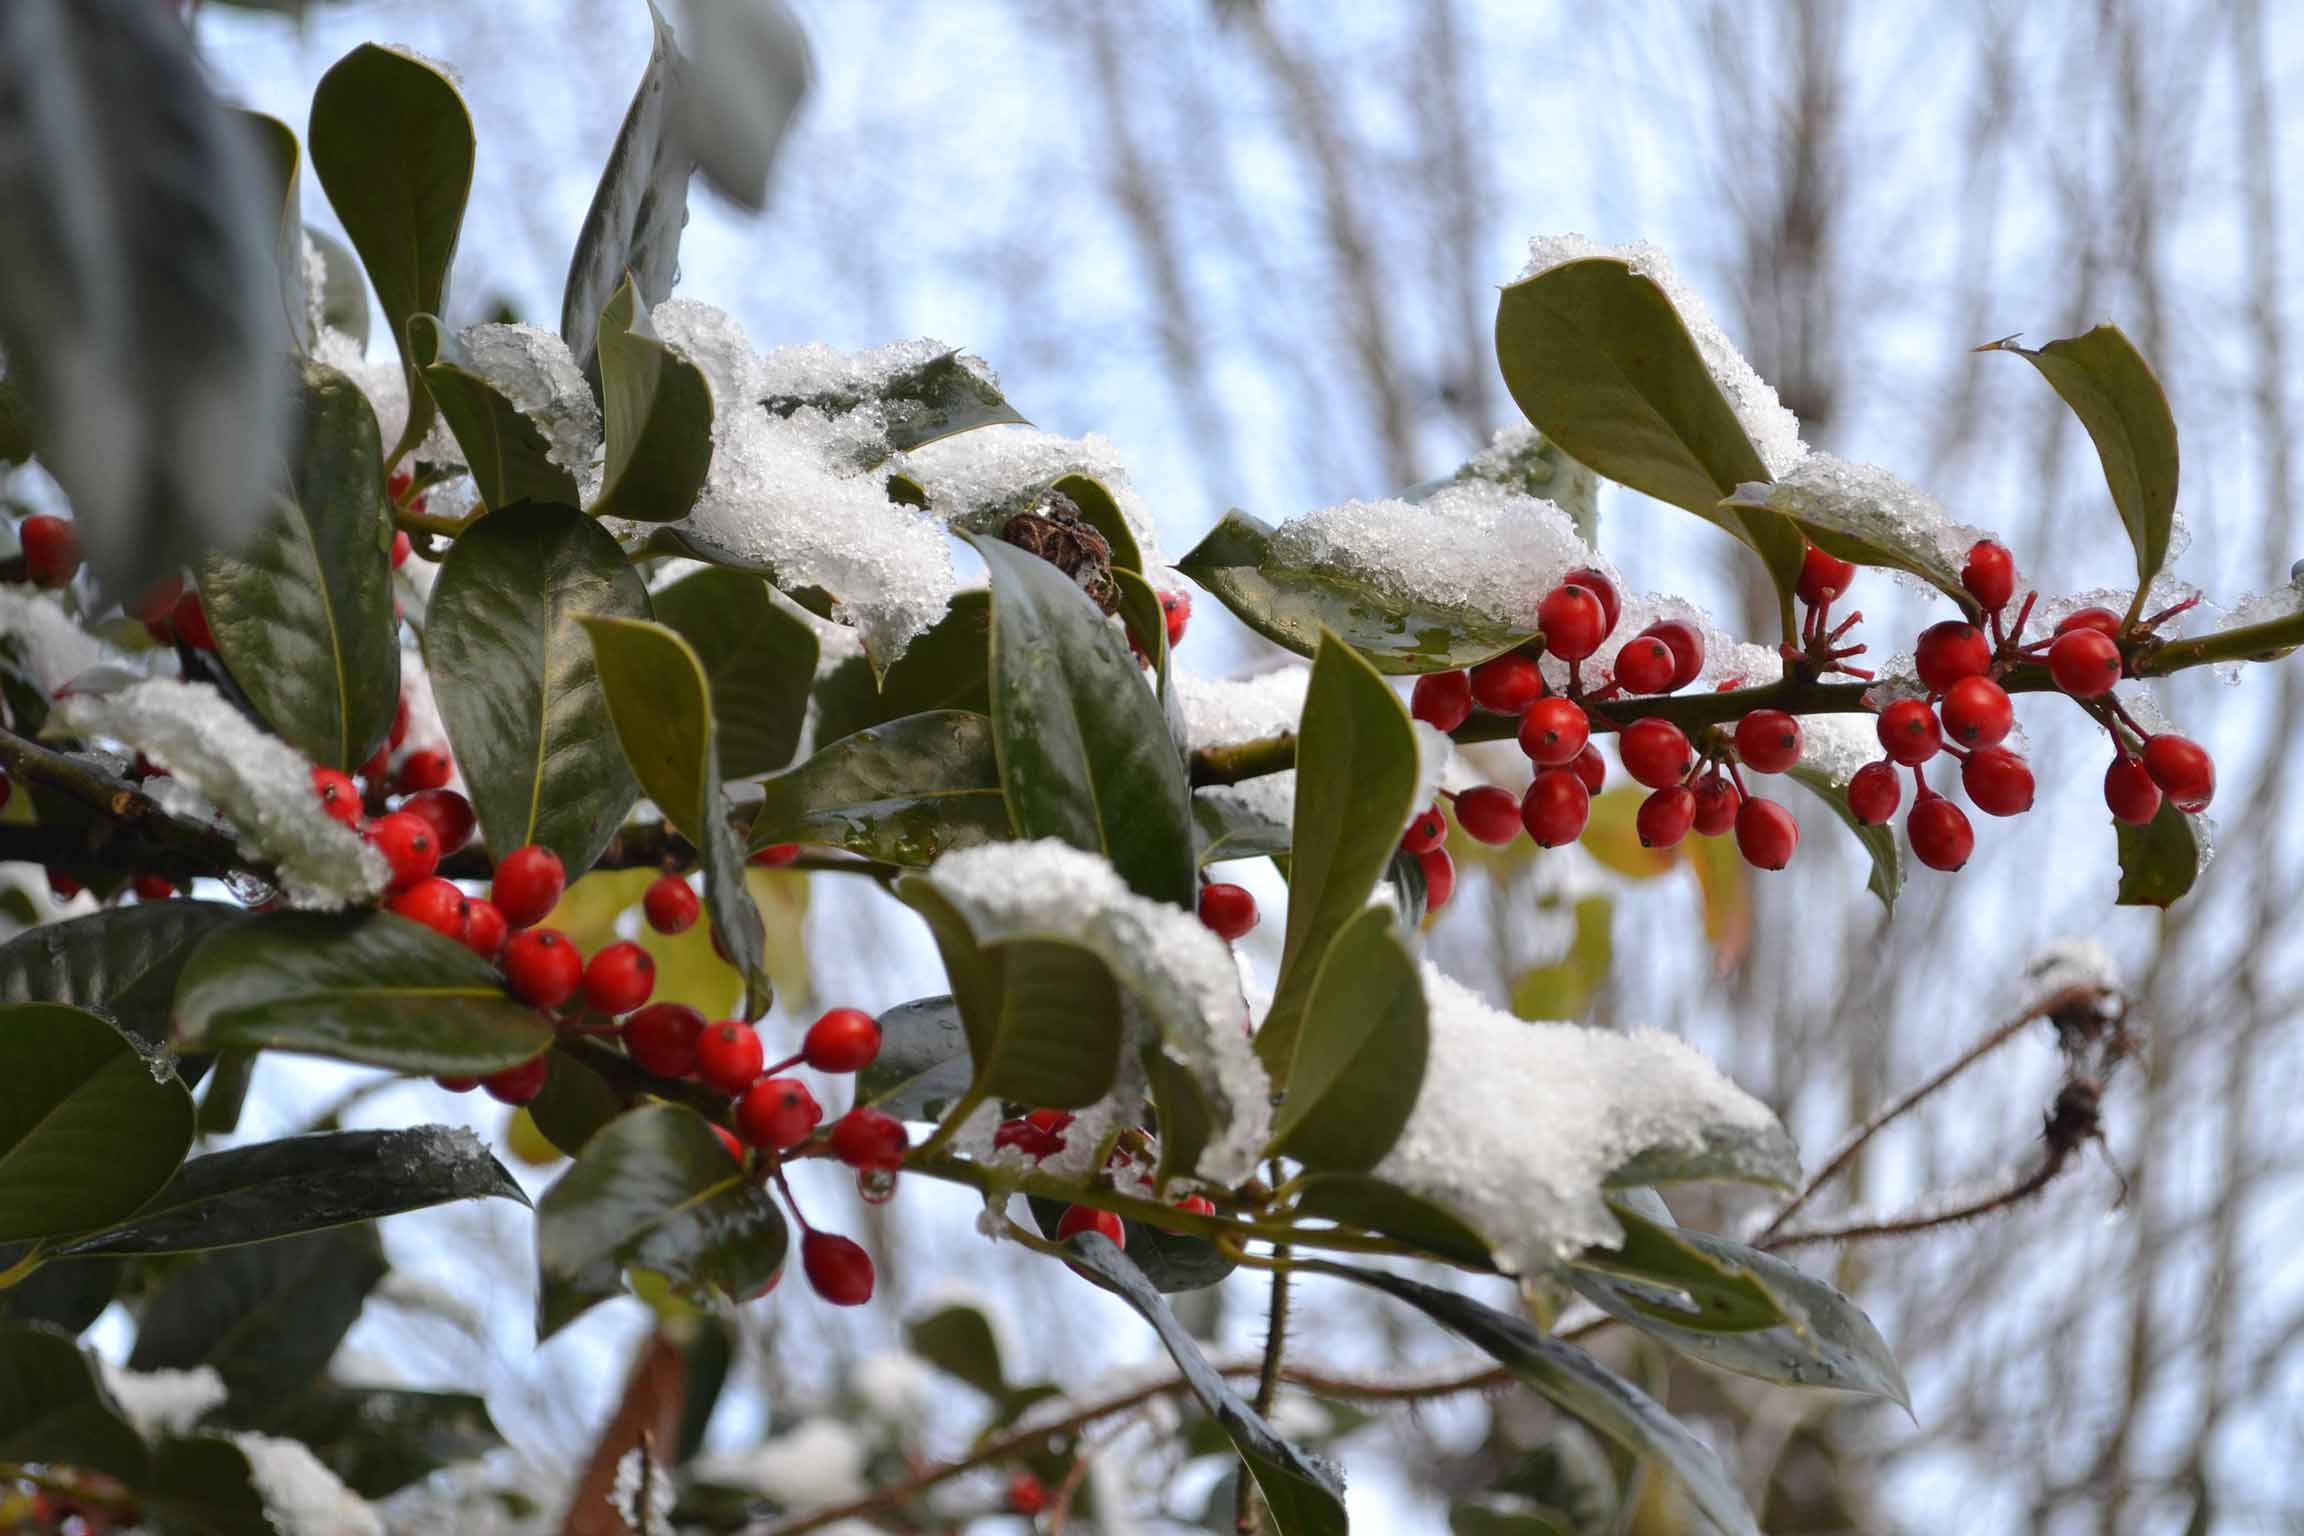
1473, 548
2282, 602
163, 1402
1223, 712
301, 1495
45, 640
533, 368
1873, 504
381, 381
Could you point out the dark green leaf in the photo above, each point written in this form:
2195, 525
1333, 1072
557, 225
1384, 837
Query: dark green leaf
653, 1191
940, 398
1176, 1261
303, 613
1292, 608
1101, 511
2161, 859
942, 669
89, 1127
1360, 1061
2113, 391
1147, 622
575, 1103
748, 69
958, 1340
904, 792
510, 459
266, 1316
638, 210
517, 685
1236, 823
280, 157
66, 1296
1714, 1293
661, 702
923, 1067
656, 409
203, 1483
121, 963
275, 1189
378, 1439
367, 987
391, 141
1356, 779
1084, 753
1576, 1383
1879, 842
1835, 525
226, 1093
708, 1354
54, 1409
1733, 1154
343, 287
1305, 1497
760, 656
1377, 1206
138, 304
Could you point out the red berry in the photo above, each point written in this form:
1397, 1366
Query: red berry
1768, 740
1600, 587
157, 602
2130, 792
1822, 578
2084, 662
1998, 781
671, 905
1687, 643
1874, 792
1197, 1205
1442, 700
1666, 816
1227, 911
529, 883
458, 1084
1766, 834
1941, 836
774, 856
51, 550
1655, 752
1909, 733
1086, 1218
1556, 808
1027, 1495
1646, 665
843, 1040
407, 846
520, 1084
1990, 574
778, 1113
485, 929
1977, 712
1574, 621
1050, 1121
437, 904
1427, 832
1717, 802
190, 621
1176, 607
1950, 651
2102, 620
449, 814
2184, 772
1489, 814
62, 886
399, 732
542, 967
1439, 878
373, 770
867, 1138
1507, 684
729, 1056
338, 796
619, 978
1554, 731
1592, 768
423, 770
735, 1150
401, 548
662, 1038
840, 1271
153, 887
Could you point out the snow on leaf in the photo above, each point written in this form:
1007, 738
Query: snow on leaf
45, 640
301, 1495
1223, 712
978, 480
536, 372
1878, 507
163, 1402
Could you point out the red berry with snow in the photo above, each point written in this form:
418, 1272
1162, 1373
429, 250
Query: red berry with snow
529, 884
1556, 808
1489, 814
1227, 911
869, 1138
1940, 834
51, 550
449, 814
671, 905
1874, 792
840, 1271
1666, 816
1766, 834
339, 796
542, 967
2184, 771
2084, 662
1909, 733
1439, 878
778, 1113
1427, 832
485, 929
399, 732
1600, 587
1086, 1218
407, 845
1717, 802
1768, 740
426, 769
843, 1040
1950, 651
2129, 791
520, 1084
1823, 578
1442, 700
1554, 732
619, 978
1990, 574
1998, 781
1646, 664
1977, 713
729, 1056
1507, 684
1655, 752
661, 1038
437, 904
1574, 621
1687, 643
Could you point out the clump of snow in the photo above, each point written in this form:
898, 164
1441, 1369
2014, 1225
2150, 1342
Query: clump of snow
643, 1494
381, 381
1517, 1124
978, 480
1175, 971
1774, 431
163, 1402
2282, 602
2166, 592
1223, 712
260, 784
1521, 459
2072, 962
895, 1385
1474, 548
1837, 745
534, 369
46, 641
1873, 504
301, 1495
1435, 755
818, 1461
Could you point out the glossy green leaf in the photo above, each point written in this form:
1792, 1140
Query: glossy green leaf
923, 1067
904, 792
1359, 1062
1879, 842
1176, 1261
575, 1104
945, 668
1305, 1497
661, 702
343, 286
281, 158
1577, 1384
958, 1339
1147, 624
53, 1407
2160, 860
226, 1093
1713, 1293
656, 409
1376, 1206
654, 1191
1834, 526
1356, 778
391, 141
274, 1189
510, 459
938, 399
1100, 509
66, 1296
368, 987
1084, 753
1236, 822
1293, 609
303, 612
90, 1125
121, 962
267, 1316
1738, 1154
760, 657
379, 1439
513, 671
638, 209
204, 1483
2113, 391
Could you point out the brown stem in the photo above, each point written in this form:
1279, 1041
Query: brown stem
1246, 1514
130, 833
2052, 1163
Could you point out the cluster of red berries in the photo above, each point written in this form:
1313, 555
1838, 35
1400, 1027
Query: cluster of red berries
1040, 1134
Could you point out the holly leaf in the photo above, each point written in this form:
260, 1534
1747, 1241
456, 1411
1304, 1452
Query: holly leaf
266, 1316
90, 1126
945, 668
509, 457
2160, 860
656, 412
1360, 1062
54, 1410
1879, 842
121, 963
904, 792
923, 1067
760, 657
